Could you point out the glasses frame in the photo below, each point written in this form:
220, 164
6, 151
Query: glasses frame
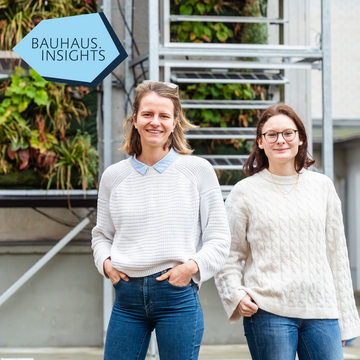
170, 85
277, 135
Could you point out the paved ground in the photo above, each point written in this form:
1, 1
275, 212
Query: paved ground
208, 352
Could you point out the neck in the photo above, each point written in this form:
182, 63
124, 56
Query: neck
287, 169
150, 156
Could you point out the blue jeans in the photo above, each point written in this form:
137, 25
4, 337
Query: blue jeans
276, 337
144, 304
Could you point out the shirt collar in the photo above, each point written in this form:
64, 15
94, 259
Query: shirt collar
160, 166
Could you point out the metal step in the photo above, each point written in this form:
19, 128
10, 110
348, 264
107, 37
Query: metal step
213, 64
226, 104
240, 50
225, 77
226, 162
48, 198
228, 19
221, 133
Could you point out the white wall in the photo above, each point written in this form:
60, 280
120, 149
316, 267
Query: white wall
345, 57
353, 212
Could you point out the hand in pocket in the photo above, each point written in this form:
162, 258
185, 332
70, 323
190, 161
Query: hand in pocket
113, 274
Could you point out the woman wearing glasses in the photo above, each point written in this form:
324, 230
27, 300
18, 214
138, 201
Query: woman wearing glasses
288, 271
161, 231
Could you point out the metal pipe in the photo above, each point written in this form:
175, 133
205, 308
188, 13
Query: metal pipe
206, 64
154, 40
129, 76
48, 256
357, 228
107, 87
230, 19
327, 144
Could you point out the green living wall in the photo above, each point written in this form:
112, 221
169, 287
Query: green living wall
48, 134
222, 32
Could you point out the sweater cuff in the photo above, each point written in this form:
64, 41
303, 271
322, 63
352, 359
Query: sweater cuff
202, 275
100, 263
231, 305
350, 333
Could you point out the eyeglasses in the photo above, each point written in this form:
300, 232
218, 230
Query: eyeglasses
170, 85
272, 136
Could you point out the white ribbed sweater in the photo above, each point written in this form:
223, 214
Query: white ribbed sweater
148, 223
296, 261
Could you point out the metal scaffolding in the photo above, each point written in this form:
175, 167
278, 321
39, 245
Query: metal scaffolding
164, 63
162, 60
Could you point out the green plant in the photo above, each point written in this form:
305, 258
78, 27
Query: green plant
19, 17
252, 33
222, 117
205, 7
76, 155
15, 131
198, 32
36, 100
35, 116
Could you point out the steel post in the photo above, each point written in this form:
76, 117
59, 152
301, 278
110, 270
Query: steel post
327, 144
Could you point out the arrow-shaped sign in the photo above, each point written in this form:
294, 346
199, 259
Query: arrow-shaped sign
79, 50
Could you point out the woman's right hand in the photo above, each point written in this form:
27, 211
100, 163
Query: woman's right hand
247, 306
113, 274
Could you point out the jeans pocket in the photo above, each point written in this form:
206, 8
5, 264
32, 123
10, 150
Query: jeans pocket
177, 286
117, 283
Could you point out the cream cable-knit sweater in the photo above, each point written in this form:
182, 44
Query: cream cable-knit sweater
296, 261
152, 222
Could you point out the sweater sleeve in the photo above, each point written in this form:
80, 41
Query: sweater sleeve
229, 280
104, 231
337, 255
215, 237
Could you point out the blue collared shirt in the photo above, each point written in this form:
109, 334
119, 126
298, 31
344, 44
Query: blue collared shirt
160, 166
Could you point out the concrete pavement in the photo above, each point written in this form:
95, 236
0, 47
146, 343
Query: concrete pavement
208, 352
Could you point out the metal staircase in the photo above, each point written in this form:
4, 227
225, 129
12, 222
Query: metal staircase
192, 63
223, 76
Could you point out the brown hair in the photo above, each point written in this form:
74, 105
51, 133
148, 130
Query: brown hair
176, 139
258, 160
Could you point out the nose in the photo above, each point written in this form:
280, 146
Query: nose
282, 138
155, 120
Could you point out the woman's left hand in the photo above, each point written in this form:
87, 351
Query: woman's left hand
180, 275
343, 342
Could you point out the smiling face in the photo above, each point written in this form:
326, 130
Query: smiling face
155, 120
281, 151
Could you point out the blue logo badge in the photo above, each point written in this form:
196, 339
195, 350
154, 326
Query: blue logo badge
79, 50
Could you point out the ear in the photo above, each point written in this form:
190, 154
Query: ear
260, 143
134, 119
175, 122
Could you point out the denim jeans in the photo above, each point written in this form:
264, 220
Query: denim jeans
144, 304
273, 337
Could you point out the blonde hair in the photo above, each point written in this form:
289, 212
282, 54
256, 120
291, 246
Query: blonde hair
176, 139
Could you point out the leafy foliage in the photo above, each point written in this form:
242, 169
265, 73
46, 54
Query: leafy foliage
76, 154
222, 117
34, 118
199, 32
253, 33
19, 17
